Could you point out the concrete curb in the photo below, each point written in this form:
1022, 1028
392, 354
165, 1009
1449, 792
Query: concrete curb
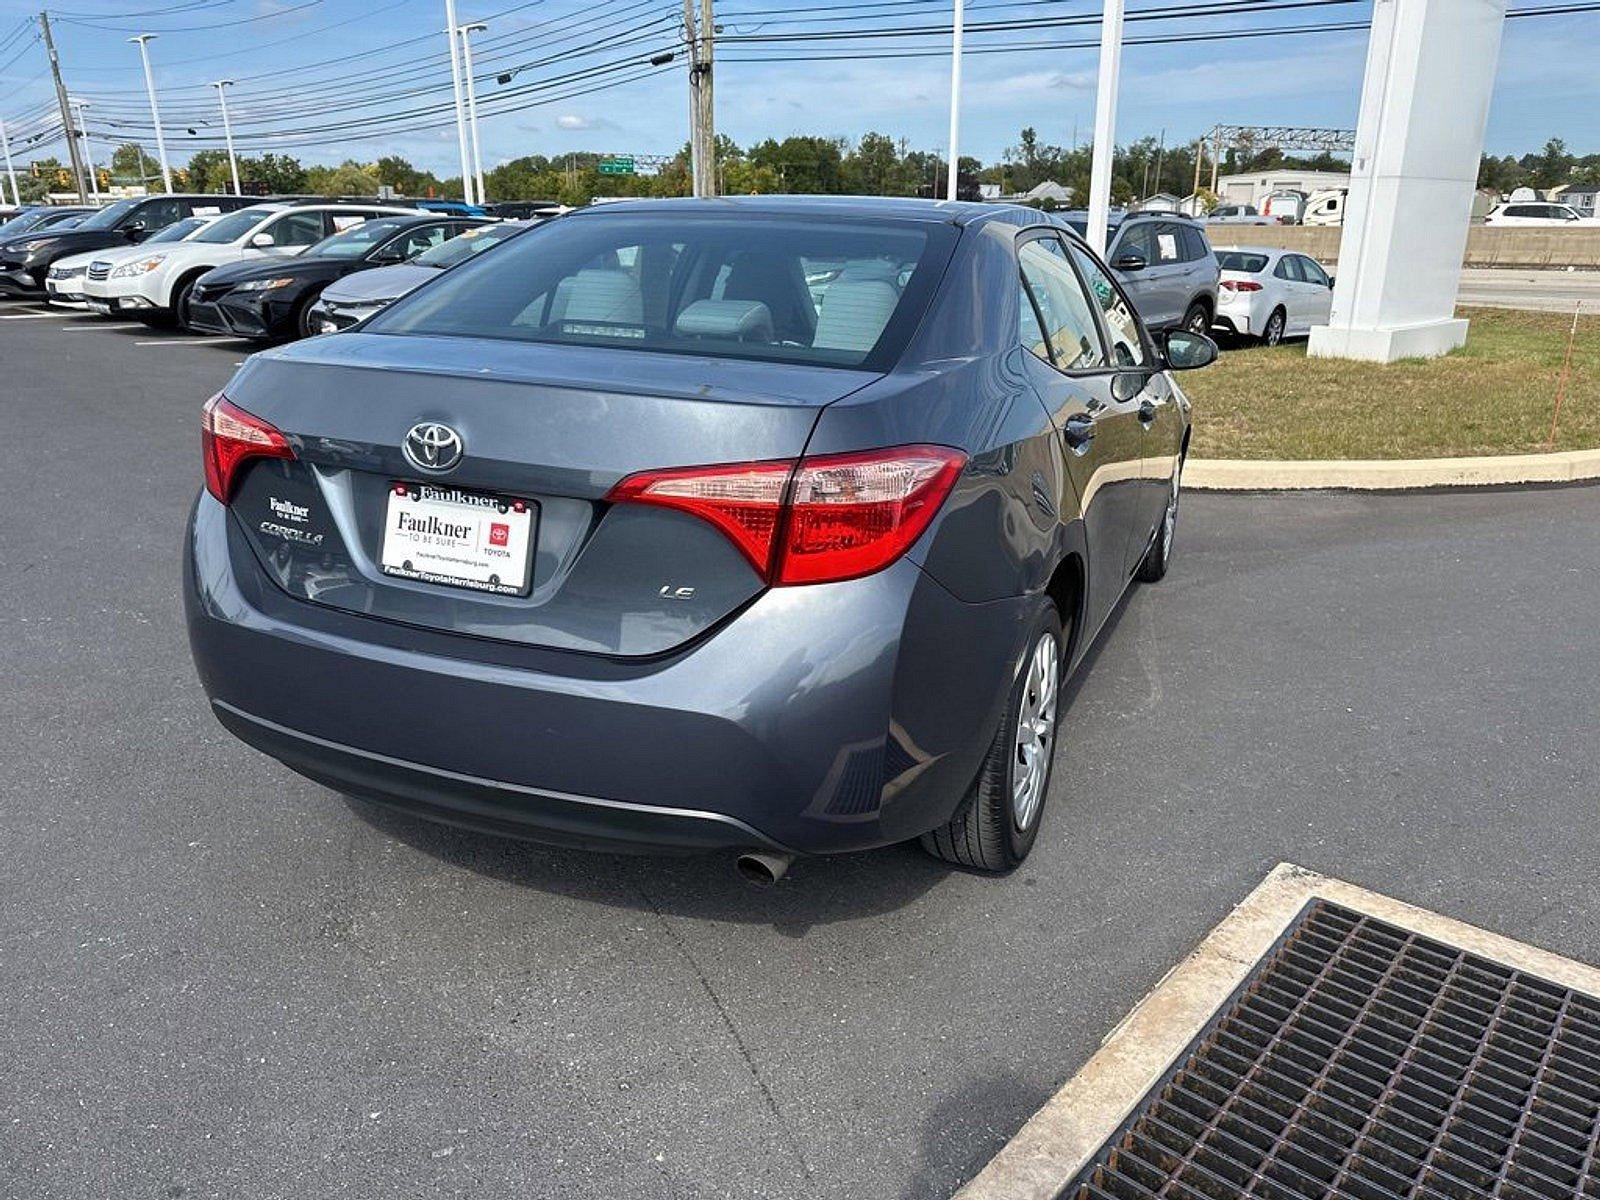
1390, 475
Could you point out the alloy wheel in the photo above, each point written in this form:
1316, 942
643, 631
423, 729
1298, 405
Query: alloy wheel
1036, 731
1274, 330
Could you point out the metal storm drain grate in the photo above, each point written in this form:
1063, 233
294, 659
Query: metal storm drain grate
1363, 1061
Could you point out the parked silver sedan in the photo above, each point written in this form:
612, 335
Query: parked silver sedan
1270, 294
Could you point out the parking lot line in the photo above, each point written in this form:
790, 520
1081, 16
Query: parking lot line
205, 341
101, 328
32, 316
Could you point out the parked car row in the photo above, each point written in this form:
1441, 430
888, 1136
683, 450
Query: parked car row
230, 265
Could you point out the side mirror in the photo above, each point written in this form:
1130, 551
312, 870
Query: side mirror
1186, 351
1330, 283
387, 255
262, 241
135, 231
1130, 262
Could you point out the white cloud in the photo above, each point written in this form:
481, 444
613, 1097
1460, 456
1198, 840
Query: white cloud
573, 121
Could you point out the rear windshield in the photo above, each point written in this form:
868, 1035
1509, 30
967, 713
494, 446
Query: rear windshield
828, 292
1237, 260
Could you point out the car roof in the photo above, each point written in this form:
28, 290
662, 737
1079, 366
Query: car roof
1269, 251
900, 208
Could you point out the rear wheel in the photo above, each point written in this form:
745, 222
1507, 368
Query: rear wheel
1153, 568
999, 820
1273, 333
1197, 319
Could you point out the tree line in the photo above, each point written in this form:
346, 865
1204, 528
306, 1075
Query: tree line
874, 164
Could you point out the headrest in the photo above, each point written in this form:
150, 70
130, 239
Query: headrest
734, 320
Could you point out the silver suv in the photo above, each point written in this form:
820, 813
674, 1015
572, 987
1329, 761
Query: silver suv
1165, 264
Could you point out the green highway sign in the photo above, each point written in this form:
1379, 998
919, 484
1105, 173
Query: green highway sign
616, 166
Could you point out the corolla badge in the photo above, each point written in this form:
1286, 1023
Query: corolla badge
430, 446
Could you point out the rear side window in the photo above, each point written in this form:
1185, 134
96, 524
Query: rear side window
827, 292
1127, 344
1065, 310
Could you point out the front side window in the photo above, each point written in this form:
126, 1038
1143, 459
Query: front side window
1127, 344
1311, 271
158, 214
232, 227
417, 240
1286, 269
296, 229
1070, 329
1168, 244
734, 287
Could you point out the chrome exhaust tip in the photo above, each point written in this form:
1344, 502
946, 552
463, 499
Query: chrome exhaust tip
762, 868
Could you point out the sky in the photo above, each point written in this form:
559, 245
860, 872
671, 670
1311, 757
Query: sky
309, 71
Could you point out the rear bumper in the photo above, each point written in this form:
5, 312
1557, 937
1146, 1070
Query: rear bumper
489, 805
819, 719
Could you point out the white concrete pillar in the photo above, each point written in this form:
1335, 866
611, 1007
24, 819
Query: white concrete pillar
1424, 105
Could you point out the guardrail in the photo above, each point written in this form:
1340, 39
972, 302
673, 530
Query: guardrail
1486, 246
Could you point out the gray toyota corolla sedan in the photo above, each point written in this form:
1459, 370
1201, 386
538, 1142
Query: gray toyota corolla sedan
767, 524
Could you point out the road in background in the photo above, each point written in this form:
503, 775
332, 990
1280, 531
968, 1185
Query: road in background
222, 979
1545, 291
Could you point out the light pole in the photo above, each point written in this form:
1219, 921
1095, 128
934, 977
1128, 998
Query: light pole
955, 104
155, 113
455, 84
1105, 125
11, 172
88, 153
472, 101
227, 133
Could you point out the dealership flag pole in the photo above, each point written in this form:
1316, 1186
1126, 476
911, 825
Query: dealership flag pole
227, 134
11, 172
155, 113
461, 113
954, 170
1105, 125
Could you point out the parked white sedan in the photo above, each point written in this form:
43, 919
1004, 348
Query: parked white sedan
1270, 294
1542, 215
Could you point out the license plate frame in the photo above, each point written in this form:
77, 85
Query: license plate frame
451, 537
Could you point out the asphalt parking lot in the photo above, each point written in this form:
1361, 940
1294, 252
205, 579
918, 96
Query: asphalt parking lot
222, 980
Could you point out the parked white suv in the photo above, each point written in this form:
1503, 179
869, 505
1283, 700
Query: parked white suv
152, 287
63, 283
1538, 213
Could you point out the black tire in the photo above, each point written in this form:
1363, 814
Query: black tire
180, 303
302, 316
986, 833
1153, 567
1273, 333
1197, 319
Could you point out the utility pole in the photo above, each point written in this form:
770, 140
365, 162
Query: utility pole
155, 113
88, 153
1105, 125
707, 106
472, 102
227, 134
1161, 153
461, 114
11, 172
1199, 161
691, 38
955, 102
73, 151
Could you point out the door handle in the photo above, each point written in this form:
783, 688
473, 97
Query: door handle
1079, 432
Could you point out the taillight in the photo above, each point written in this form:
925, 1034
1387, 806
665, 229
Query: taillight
823, 519
230, 437
1240, 285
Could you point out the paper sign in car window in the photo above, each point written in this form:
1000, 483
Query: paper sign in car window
1169, 246
346, 221
206, 210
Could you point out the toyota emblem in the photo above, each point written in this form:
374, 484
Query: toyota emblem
430, 446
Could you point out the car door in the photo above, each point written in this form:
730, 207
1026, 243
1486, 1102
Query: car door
1319, 291
1286, 284
1171, 269
1155, 407
1099, 436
